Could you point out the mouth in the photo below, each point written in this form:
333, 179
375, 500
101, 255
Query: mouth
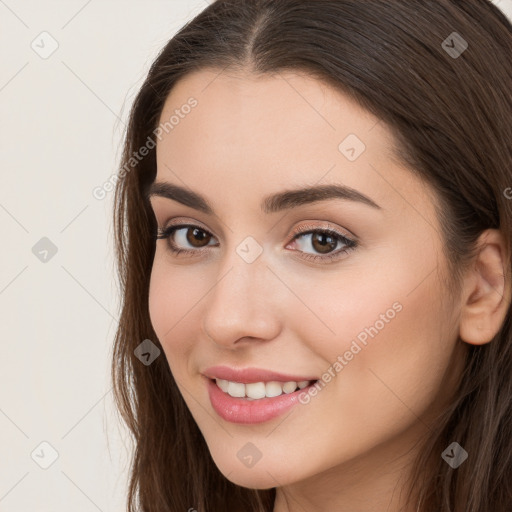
254, 402
259, 390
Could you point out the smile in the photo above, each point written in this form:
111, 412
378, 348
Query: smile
244, 408
258, 390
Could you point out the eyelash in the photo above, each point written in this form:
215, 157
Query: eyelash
307, 230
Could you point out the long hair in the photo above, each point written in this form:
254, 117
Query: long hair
449, 107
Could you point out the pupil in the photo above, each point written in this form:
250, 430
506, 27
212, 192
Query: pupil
323, 242
197, 235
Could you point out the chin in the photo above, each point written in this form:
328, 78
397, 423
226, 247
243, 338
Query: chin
252, 478
263, 474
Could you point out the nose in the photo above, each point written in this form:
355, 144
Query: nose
241, 305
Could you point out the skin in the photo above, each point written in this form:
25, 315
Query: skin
351, 447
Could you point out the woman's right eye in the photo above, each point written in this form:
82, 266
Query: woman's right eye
180, 235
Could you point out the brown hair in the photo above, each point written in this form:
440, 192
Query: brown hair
452, 119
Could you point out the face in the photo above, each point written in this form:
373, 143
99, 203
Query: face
343, 287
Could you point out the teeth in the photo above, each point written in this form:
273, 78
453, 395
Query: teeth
273, 388
289, 387
236, 389
256, 390
223, 384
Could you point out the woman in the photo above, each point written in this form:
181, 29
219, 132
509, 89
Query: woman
313, 230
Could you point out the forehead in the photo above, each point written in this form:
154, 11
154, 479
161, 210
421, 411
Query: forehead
285, 107
258, 134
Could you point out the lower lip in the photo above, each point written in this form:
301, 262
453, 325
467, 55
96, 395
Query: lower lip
241, 410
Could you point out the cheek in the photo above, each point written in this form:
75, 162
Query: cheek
389, 353
174, 295
390, 348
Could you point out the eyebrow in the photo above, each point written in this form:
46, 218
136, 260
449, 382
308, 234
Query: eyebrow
270, 204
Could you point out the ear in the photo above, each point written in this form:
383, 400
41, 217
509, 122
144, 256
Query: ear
487, 293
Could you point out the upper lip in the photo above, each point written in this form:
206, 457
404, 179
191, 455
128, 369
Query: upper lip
248, 375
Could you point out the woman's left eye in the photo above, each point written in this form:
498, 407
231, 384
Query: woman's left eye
327, 243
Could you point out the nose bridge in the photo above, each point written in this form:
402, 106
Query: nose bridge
242, 271
239, 303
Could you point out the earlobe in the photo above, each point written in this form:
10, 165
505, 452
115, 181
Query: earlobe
487, 290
